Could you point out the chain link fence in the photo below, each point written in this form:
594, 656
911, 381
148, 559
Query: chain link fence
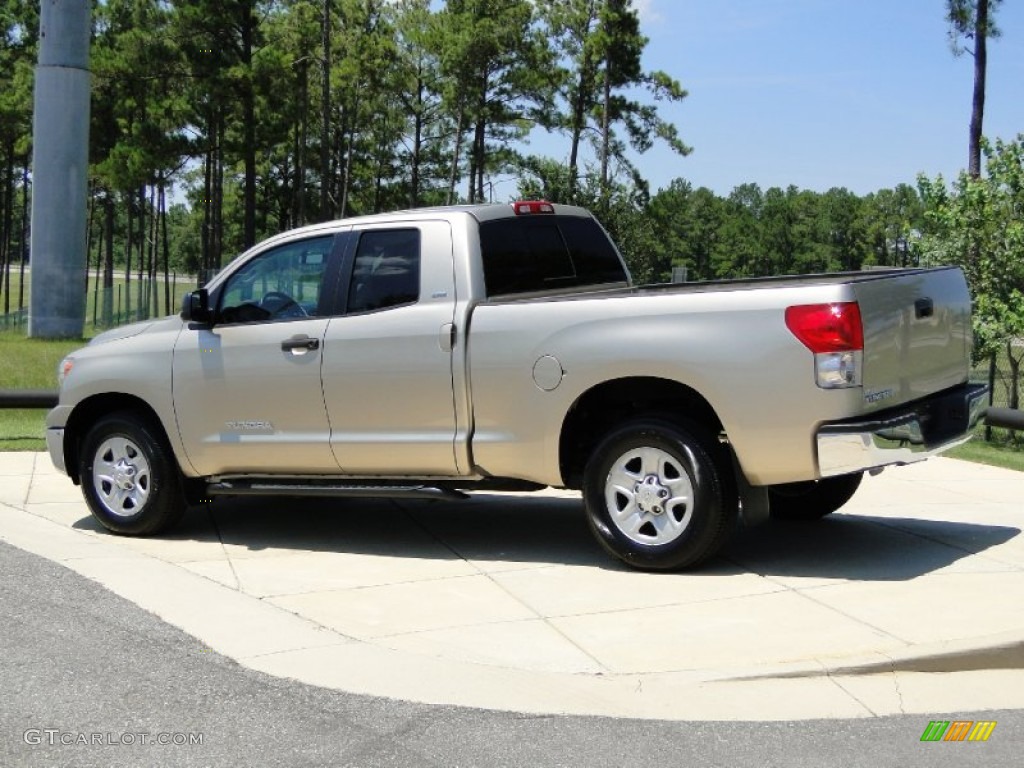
1005, 386
122, 303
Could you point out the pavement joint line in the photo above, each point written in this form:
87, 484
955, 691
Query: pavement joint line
805, 594
363, 587
345, 641
31, 480
832, 679
670, 604
546, 620
227, 555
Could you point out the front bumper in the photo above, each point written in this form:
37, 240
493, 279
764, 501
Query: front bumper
55, 445
56, 420
913, 432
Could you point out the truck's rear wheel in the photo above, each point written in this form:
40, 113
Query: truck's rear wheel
656, 497
812, 500
129, 477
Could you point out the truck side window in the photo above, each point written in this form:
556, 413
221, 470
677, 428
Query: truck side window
279, 284
386, 272
528, 254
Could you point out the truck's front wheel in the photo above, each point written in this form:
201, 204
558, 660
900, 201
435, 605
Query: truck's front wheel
129, 477
656, 497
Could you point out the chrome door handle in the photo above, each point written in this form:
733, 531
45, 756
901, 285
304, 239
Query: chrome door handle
299, 345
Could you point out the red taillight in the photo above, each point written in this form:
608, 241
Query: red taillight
526, 207
827, 327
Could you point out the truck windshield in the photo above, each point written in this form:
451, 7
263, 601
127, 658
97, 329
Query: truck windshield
527, 254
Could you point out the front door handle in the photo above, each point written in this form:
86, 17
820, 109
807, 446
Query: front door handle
300, 345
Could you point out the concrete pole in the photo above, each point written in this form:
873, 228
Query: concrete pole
60, 166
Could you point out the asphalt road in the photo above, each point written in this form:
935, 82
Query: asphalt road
89, 679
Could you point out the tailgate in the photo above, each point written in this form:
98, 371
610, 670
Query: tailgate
917, 334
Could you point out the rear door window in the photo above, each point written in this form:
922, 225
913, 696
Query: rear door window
543, 253
386, 270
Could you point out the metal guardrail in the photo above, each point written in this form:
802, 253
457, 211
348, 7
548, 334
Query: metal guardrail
28, 398
1005, 418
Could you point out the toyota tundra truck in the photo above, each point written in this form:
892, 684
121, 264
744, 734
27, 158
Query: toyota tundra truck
434, 352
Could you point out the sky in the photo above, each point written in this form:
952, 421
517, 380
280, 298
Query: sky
862, 94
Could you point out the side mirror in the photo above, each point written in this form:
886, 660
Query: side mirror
196, 307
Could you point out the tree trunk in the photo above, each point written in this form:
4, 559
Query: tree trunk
129, 245
579, 118
299, 193
249, 129
166, 245
1014, 364
217, 236
108, 261
206, 259
981, 31
140, 295
417, 145
325, 123
24, 233
454, 178
606, 139
91, 211
7, 223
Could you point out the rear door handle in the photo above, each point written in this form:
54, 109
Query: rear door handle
924, 308
299, 345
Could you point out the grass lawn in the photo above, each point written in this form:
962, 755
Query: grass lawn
32, 363
27, 364
997, 453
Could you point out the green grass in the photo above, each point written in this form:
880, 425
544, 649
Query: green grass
32, 363
28, 364
998, 453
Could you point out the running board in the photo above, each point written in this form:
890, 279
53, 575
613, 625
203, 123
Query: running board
332, 491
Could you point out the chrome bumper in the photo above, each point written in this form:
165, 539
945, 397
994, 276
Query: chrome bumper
914, 432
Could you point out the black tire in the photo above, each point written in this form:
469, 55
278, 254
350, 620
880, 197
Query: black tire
657, 495
812, 500
129, 477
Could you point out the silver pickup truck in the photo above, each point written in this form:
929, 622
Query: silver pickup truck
432, 352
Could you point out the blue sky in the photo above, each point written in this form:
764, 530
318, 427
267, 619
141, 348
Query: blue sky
862, 94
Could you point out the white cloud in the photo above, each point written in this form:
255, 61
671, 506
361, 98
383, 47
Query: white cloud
647, 12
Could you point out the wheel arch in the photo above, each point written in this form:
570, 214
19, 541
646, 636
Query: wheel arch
608, 404
91, 410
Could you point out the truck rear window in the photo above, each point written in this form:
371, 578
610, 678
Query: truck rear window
542, 253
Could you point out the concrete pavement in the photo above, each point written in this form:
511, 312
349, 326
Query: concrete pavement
908, 600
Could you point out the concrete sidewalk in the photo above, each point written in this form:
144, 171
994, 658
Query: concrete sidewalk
909, 600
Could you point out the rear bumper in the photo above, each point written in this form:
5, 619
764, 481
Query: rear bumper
914, 432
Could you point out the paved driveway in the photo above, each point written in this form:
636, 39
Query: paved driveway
908, 600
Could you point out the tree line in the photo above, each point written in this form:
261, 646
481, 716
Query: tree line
216, 123
269, 114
